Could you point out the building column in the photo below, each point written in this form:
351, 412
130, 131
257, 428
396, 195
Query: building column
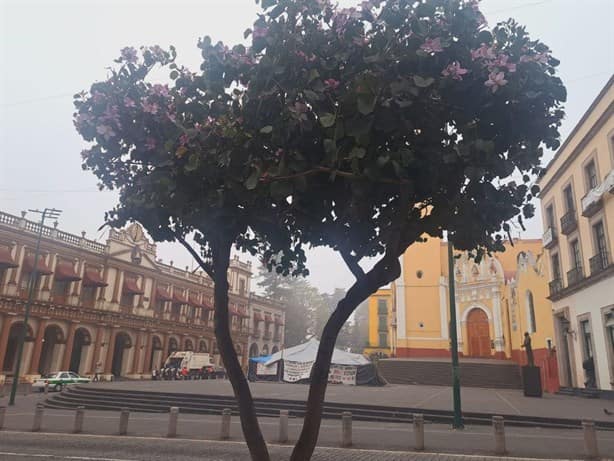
164, 348
4, 338
400, 305
498, 324
137, 354
38, 347
146, 368
70, 340
96, 356
108, 363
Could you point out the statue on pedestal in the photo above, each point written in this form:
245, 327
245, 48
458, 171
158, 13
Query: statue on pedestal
527, 345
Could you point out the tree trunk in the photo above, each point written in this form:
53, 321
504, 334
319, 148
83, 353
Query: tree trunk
365, 286
249, 421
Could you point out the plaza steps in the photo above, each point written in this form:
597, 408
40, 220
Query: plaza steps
586, 393
492, 374
94, 398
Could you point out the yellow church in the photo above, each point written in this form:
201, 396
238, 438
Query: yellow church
497, 301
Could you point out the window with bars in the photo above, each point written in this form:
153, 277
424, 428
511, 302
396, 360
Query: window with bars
600, 238
382, 306
585, 329
556, 266
576, 258
383, 340
569, 200
550, 217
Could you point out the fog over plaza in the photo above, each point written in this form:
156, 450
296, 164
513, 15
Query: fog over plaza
51, 49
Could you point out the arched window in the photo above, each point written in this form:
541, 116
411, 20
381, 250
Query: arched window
265, 349
532, 326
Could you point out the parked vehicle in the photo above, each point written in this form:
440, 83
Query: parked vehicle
199, 365
57, 381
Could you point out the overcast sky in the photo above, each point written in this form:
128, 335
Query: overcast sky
52, 49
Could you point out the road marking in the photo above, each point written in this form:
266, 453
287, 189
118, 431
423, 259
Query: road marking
508, 402
428, 399
82, 458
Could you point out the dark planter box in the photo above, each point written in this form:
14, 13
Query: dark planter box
531, 381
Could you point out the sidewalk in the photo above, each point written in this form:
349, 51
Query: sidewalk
399, 438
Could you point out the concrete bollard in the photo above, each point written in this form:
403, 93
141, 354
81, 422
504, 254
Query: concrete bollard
172, 422
26, 388
123, 421
283, 426
38, 418
419, 431
225, 430
591, 450
346, 429
46, 389
499, 430
2, 413
78, 426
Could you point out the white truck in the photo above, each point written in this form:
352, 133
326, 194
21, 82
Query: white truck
199, 364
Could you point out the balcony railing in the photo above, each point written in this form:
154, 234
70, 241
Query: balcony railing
569, 223
555, 286
593, 200
599, 262
575, 275
549, 238
267, 335
256, 334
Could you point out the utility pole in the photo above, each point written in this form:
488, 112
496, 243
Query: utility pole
51, 213
457, 423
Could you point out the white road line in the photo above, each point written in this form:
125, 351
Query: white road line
508, 403
82, 458
431, 397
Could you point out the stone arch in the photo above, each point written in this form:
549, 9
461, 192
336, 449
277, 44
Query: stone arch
12, 342
265, 350
119, 363
50, 357
188, 345
274, 350
202, 346
80, 348
253, 350
173, 345
156, 353
477, 306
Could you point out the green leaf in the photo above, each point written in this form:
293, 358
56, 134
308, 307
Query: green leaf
252, 180
327, 119
193, 162
366, 103
267, 129
423, 82
313, 74
174, 74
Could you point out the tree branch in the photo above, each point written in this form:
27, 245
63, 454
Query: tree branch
324, 169
352, 263
201, 262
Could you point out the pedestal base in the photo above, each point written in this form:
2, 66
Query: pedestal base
531, 381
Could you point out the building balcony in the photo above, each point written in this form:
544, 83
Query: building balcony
569, 223
256, 333
599, 262
575, 275
267, 335
550, 238
593, 200
555, 286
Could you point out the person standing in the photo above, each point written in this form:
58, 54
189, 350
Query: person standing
97, 371
527, 346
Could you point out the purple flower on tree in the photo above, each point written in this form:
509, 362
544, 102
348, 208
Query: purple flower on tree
260, 32
495, 80
129, 54
454, 70
150, 143
150, 108
160, 90
331, 83
105, 131
432, 45
129, 102
183, 140
483, 51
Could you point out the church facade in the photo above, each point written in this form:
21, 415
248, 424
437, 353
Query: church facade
497, 301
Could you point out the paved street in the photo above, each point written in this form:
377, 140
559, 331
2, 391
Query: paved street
474, 440
15, 446
498, 401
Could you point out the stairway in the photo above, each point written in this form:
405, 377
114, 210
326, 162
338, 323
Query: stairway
103, 398
486, 374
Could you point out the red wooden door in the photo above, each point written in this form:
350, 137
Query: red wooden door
478, 332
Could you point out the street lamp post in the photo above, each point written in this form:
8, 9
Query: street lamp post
51, 213
457, 423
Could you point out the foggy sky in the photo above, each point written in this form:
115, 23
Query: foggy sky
52, 49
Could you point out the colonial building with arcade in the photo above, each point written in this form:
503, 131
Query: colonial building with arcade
110, 306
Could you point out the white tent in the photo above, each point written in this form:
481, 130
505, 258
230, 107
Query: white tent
308, 351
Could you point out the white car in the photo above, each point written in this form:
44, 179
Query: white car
57, 381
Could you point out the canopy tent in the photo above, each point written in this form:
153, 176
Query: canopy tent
295, 363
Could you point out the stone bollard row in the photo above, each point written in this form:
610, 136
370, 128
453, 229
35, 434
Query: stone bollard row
38, 418
123, 421
419, 432
499, 431
172, 422
346, 429
283, 426
225, 429
78, 425
591, 450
